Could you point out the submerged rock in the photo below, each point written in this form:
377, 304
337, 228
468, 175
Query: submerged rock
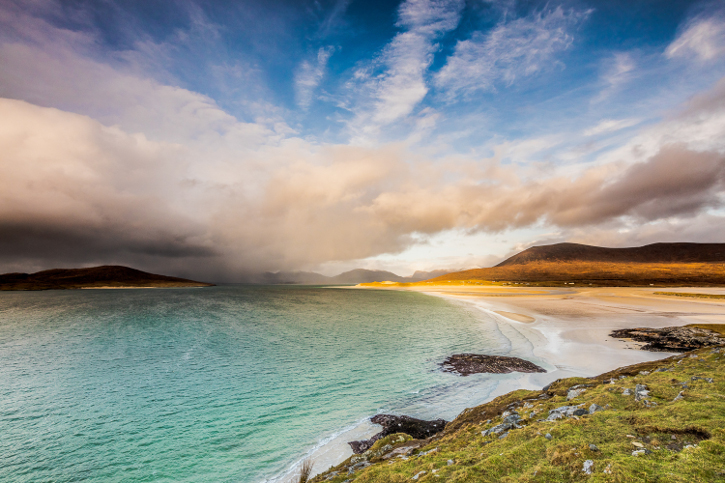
671, 339
416, 428
467, 364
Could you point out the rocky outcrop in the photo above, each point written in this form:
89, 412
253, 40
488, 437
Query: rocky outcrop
671, 339
467, 364
416, 428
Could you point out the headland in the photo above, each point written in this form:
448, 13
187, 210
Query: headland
103, 277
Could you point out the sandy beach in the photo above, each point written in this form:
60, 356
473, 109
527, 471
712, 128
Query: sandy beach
569, 328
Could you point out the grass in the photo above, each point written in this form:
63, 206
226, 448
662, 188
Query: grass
692, 295
594, 273
662, 426
719, 328
305, 471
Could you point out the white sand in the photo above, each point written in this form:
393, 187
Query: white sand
571, 327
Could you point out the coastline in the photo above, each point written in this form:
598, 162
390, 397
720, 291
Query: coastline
565, 330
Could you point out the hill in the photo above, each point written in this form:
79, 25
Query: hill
359, 275
654, 421
660, 264
105, 276
654, 253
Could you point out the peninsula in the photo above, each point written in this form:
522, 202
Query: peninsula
107, 276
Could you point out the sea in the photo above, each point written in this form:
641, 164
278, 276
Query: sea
235, 383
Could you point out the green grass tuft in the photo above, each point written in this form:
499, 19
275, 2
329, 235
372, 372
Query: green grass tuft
662, 427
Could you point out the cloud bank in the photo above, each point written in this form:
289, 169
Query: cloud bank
105, 162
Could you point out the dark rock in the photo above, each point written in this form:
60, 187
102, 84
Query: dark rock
416, 428
671, 339
467, 364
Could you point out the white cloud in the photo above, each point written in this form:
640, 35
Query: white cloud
395, 82
610, 125
618, 70
310, 74
513, 49
703, 37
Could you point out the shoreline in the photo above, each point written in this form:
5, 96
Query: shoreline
565, 330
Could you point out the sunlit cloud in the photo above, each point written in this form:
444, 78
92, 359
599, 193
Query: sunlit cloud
109, 156
518, 48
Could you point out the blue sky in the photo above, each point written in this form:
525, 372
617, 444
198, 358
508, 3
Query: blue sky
226, 138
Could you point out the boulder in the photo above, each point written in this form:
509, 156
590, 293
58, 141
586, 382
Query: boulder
416, 428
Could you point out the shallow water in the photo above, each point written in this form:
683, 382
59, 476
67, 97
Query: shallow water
229, 383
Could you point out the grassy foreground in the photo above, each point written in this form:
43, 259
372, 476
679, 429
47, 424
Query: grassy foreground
674, 433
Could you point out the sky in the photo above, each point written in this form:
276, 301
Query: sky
216, 140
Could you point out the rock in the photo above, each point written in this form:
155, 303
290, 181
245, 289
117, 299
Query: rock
564, 411
509, 422
672, 339
593, 447
627, 391
416, 428
548, 436
401, 451
503, 435
679, 397
588, 467
467, 364
419, 475
358, 466
574, 393
709, 380
640, 392
449, 462
594, 408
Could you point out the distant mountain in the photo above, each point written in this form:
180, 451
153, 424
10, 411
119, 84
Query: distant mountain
277, 278
359, 275
106, 276
654, 253
367, 275
567, 263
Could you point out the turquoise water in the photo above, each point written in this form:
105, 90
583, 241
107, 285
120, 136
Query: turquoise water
229, 383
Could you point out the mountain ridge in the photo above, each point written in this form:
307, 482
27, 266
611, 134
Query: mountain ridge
651, 253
